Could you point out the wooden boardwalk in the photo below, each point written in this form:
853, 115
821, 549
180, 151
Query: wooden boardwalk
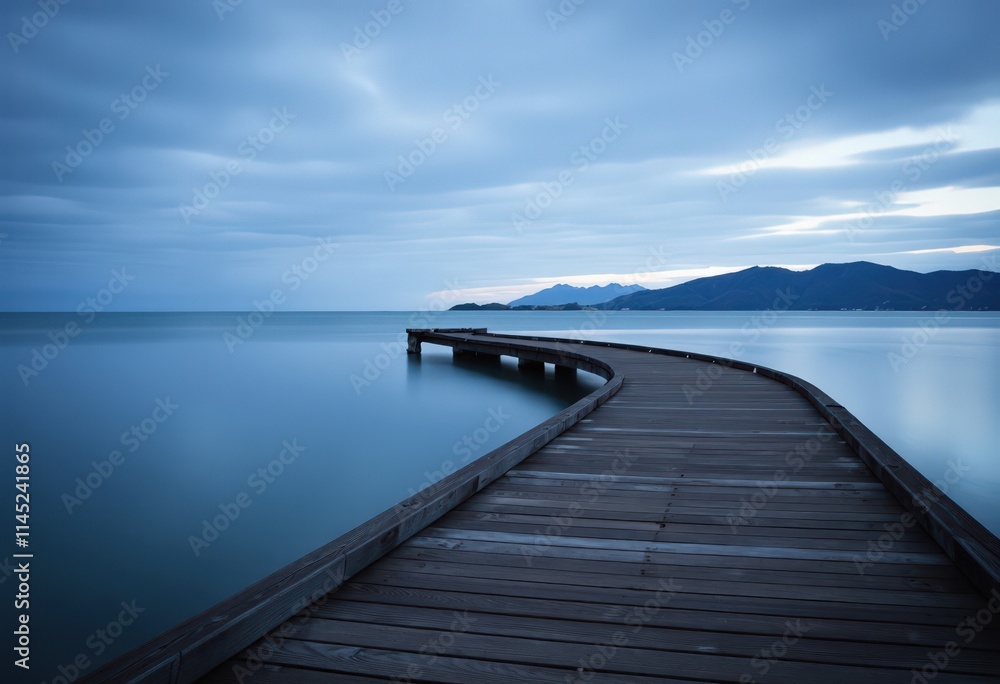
705, 523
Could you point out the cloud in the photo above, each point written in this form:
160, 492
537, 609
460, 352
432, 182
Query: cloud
652, 190
962, 249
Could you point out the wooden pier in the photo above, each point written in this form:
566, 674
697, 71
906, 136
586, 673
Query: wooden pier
694, 519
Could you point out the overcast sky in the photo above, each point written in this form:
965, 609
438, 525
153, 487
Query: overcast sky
366, 155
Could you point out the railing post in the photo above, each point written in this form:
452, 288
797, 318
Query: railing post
412, 343
530, 365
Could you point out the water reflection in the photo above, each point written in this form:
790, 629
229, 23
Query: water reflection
565, 388
150, 529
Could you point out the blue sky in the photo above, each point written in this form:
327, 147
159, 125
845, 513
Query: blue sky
381, 155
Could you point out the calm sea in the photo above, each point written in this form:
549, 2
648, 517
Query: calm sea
177, 458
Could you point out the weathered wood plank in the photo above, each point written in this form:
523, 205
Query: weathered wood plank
489, 554
330, 639
652, 638
854, 628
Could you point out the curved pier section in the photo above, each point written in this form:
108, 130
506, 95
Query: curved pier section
188, 651
713, 521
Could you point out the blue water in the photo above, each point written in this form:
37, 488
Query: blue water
344, 425
309, 428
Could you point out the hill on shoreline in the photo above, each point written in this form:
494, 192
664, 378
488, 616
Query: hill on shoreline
858, 285
564, 294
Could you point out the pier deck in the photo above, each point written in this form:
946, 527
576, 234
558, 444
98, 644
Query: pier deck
709, 521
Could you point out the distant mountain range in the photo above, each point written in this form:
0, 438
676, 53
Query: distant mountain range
565, 294
831, 287
495, 306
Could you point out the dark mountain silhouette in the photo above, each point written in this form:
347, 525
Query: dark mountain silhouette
857, 285
564, 294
